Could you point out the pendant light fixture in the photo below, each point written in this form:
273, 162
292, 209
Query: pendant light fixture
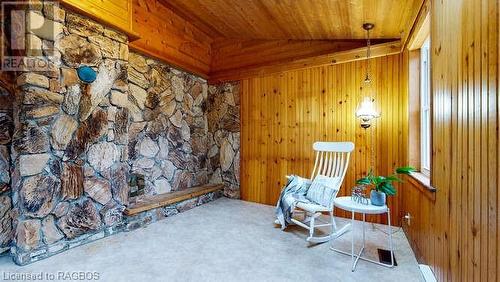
366, 110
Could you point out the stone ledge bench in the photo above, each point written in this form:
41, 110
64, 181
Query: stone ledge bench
162, 200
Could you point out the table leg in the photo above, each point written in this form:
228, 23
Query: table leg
364, 218
357, 257
352, 241
390, 237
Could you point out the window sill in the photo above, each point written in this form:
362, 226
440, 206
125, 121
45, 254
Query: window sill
423, 183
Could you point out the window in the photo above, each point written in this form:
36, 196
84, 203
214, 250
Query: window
420, 103
425, 111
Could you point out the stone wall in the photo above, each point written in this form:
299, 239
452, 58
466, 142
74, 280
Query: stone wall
70, 143
6, 213
168, 133
6, 128
224, 137
75, 144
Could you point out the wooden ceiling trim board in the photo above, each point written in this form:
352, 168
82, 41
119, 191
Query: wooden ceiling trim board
288, 16
387, 8
355, 18
269, 15
224, 26
421, 32
378, 50
241, 54
347, 17
419, 20
206, 27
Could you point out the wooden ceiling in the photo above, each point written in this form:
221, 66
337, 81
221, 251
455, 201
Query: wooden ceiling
229, 39
297, 19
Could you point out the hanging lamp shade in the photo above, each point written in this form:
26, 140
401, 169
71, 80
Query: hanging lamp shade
366, 110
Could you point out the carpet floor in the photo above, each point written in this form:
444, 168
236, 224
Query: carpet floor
225, 240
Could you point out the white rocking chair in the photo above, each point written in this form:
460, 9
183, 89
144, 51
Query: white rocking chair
332, 160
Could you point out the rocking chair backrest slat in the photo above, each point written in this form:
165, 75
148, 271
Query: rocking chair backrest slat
332, 158
315, 163
337, 164
341, 166
327, 160
321, 162
330, 163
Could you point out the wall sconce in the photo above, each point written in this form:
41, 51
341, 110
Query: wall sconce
366, 112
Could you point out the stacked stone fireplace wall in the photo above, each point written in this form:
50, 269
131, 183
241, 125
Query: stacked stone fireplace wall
75, 144
224, 137
6, 128
70, 144
168, 132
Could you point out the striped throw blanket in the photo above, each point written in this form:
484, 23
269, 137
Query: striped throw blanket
294, 192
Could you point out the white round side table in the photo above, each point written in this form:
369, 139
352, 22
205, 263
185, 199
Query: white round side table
347, 204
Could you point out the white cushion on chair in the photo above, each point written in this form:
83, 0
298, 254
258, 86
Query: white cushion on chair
312, 207
323, 189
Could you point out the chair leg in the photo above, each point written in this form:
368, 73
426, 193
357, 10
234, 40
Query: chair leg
311, 227
334, 224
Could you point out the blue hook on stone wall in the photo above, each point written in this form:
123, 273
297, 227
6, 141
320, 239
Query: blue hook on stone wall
86, 74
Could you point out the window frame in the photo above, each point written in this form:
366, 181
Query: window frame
419, 36
425, 108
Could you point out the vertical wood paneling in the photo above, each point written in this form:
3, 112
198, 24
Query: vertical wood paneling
284, 114
457, 233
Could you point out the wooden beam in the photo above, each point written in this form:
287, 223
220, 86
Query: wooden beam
377, 50
421, 33
238, 54
418, 26
166, 199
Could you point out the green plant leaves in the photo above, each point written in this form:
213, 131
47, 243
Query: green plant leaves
384, 183
378, 180
393, 178
387, 188
363, 181
405, 170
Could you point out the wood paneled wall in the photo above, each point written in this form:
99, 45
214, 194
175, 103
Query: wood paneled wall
170, 38
284, 114
457, 233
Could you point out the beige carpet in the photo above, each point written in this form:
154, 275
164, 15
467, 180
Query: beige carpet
225, 240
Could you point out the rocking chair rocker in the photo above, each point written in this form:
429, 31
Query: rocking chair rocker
332, 160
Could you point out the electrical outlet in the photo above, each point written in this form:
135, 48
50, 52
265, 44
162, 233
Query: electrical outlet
408, 218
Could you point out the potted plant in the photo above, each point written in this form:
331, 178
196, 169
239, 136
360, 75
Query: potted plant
382, 185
